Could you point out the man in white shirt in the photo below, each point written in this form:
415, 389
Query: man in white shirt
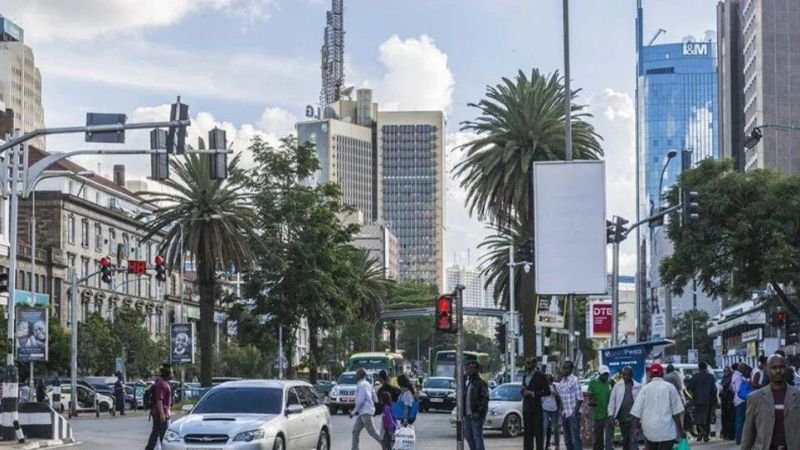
659, 410
364, 410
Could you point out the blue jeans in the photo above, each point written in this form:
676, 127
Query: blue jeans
741, 409
572, 432
473, 432
551, 427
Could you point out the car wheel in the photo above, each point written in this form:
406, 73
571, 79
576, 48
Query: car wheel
512, 426
279, 444
324, 442
129, 406
103, 407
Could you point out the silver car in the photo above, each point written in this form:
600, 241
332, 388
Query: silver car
505, 410
253, 415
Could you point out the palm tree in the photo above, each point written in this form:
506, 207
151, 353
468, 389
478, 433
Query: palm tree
520, 121
371, 285
213, 221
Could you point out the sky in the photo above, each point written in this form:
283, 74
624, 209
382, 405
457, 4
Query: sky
251, 67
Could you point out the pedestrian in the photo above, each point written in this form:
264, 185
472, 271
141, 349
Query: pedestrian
161, 393
389, 420
740, 386
551, 408
41, 392
623, 395
759, 377
364, 410
599, 395
119, 394
571, 398
658, 411
534, 388
476, 405
703, 387
675, 378
773, 412
387, 386
727, 413
407, 398
24, 392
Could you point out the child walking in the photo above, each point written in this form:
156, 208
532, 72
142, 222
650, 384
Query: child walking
389, 421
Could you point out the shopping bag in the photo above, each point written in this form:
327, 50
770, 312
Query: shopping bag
683, 444
405, 438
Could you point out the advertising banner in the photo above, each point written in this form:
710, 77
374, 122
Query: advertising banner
32, 327
32, 300
182, 343
633, 356
602, 318
550, 311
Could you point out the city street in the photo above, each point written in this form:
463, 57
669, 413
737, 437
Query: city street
433, 432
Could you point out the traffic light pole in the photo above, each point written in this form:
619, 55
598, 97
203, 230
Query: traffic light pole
459, 367
615, 295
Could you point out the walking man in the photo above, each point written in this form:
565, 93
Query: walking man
476, 406
162, 403
674, 378
740, 376
571, 399
620, 404
599, 395
773, 412
659, 410
119, 394
363, 410
703, 387
534, 388
726, 409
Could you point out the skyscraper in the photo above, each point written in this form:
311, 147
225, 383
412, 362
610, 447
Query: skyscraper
333, 56
475, 295
731, 81
20, 80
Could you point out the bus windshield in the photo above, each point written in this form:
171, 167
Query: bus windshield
445, 363
369, 363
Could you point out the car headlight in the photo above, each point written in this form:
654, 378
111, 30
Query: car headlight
492, 412
451, 395
247, 436
171, 436
423, 394
335, 392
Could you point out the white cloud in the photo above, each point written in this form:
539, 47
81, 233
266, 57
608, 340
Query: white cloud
417, 75
277, 121
45, 20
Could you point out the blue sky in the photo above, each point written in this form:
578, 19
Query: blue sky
253, 65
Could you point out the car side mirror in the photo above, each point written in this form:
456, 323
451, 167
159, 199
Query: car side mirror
186, 409
294, 409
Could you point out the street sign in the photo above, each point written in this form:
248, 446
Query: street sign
137, 266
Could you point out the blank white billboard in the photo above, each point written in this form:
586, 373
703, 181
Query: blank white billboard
570, 227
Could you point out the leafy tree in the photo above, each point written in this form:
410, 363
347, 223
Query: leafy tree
142, 355
98, 345
242, 361
748, 235
694, 323
520, 121
59, 348
217, 220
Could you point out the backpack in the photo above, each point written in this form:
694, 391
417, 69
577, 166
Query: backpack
147, 398
744, 389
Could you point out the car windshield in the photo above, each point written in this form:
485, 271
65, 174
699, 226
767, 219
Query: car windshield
241, 400
440, 384
347, 378
506, 393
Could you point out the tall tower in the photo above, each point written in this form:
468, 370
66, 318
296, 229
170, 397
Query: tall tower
333, 56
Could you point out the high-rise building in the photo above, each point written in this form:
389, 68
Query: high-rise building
20, 80
770, 63
333, 56
475, 295
412, 148
731, 81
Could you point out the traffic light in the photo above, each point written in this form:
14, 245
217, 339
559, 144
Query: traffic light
218, 162
500, 335
620, 230
105, 270
525, 250
159, 162
444, 314
161, 272
780, 319
3, 282
610, 231
691, 207
178, 111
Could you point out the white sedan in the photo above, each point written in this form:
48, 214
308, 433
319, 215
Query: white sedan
505, 410
254, 415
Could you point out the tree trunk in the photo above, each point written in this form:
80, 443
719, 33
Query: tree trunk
785, 300
313, 353
206, 281
526, 299
393, 336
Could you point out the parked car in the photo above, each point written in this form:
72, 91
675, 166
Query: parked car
324, 388
505, 410
88, 400
438, 393
343, 395
254, 415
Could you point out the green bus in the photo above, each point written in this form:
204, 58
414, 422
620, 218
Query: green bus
374, 362
444, 365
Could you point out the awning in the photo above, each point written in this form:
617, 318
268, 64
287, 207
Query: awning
753, 318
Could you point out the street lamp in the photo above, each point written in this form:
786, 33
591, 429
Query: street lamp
758, 132
670, 156
513, 322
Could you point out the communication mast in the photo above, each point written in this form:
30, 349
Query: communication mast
333, 56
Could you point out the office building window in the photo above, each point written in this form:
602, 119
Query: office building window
98, 237
84, 267
71, 229
85, 233
112, 241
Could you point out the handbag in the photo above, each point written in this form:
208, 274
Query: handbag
405, 439
683, 444
399, 411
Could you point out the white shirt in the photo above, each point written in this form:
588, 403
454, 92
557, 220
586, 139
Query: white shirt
736, 381
365, 403
655, 405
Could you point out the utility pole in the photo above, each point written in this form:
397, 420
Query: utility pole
568, 156
615, 295
459, 367
280, 352
512, 326
73, 322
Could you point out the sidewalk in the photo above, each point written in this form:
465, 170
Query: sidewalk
34, 444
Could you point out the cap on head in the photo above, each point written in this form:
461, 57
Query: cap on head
604, 370
656, 370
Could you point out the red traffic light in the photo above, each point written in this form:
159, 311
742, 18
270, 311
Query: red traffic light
780, 318
159, 260
105, 262
444, 314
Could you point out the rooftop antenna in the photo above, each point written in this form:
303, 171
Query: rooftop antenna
655, 36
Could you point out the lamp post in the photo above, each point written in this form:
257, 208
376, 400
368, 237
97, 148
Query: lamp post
757, 133
513, 323
670, 156
668, 299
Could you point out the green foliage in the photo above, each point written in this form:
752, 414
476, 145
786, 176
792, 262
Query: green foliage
244, 361
142, 355
59, 351
702, 341
217, 220
748, 235
98, 346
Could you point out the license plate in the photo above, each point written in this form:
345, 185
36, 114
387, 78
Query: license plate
203, 448
348, 399
437, 400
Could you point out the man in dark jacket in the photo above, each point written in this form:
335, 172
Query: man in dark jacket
534, 387
476, 406
703, 387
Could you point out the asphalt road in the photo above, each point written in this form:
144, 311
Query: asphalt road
433, 432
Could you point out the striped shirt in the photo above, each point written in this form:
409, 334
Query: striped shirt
570, 391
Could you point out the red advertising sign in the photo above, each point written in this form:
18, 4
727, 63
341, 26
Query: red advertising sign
601, 319
137, 267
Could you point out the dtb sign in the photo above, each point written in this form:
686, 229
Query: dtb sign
695, 49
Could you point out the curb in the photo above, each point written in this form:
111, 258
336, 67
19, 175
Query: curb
52, 443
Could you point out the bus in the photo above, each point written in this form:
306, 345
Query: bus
374, 362
444, 365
